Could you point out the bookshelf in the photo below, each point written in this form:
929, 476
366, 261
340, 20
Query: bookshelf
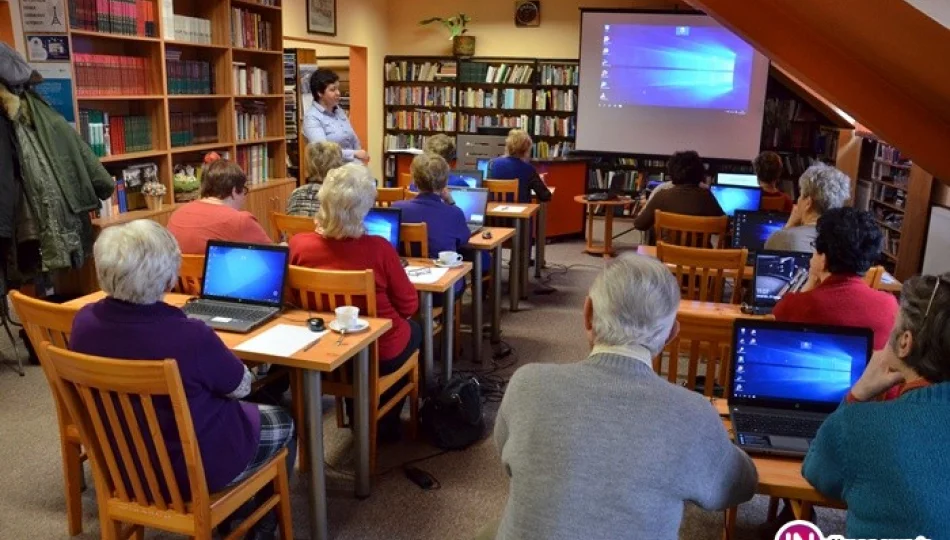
176, 79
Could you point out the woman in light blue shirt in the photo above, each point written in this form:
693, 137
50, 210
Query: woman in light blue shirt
325, 120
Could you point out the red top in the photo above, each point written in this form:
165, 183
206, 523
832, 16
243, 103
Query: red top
772, 197
396, 297
842, 300
197, 222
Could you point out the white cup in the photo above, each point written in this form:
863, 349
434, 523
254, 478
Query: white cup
449, 258
346, 316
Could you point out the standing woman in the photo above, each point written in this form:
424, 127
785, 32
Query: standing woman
325, 119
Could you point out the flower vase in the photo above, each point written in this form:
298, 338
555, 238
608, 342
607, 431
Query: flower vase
153, 202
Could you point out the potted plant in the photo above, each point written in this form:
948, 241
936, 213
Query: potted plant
154, 193
186, 183
462, 45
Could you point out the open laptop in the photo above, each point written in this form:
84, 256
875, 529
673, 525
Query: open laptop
787, 378
735, 179
384, 222
732, 198
466, 178
474, 204
752, 229
617, 183
242, 286
775, 273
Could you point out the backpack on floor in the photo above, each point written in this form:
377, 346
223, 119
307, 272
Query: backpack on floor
452, 418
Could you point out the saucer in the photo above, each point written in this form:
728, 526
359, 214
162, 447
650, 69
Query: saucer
361, 324
440, 264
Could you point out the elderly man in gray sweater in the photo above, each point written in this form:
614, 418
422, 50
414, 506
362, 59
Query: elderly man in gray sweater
605, 448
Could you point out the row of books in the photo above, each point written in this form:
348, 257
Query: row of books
249, 30
188, 76
114, 135
556, 100
420, 71
250, 119
478, 72
601, 179
128, 185
104, 74
249, 80
883, 171
554, 126
559, 75
290, 110
402, 141
193, 128
470, 123
421, 120
255, 161
127, 17
424, 96
628, 162
191, 29
544, 149
886, 152
496, 98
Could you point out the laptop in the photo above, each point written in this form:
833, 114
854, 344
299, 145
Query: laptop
732, 198
787, 378
734, 179
384, 222
775, 273
474, 204
752, 229
466, 178
617, 183
242, 286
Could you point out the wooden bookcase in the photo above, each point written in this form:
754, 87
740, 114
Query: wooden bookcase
161, 106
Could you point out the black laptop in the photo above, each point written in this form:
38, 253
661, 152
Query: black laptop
753, 228
774, 274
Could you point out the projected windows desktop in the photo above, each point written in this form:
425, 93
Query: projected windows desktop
701, 67
255, 275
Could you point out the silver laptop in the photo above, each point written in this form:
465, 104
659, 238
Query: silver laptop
787, 378
735, 179
774, 274
474, 204
242, 287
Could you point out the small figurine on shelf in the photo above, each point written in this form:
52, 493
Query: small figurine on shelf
154, 193
186, 183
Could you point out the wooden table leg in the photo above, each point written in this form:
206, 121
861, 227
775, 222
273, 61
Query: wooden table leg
729, 523
590, 227
608, 231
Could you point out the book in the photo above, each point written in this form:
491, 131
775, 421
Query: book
126, 17
250, 119
188, 76
249, 30
193, 128
249, 80
104, 75
109, 135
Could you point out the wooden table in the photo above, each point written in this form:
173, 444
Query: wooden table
324, 357
499, 235
521, 252
606, 249
445, 286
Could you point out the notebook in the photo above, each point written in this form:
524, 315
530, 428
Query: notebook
474, 204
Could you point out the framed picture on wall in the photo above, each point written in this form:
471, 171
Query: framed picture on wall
321, 17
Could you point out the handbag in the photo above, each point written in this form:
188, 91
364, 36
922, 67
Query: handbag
452, 418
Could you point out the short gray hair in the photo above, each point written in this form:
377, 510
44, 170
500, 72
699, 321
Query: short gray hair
137, 262
347, 194
930, 349
826, 186
430, 172
635, 302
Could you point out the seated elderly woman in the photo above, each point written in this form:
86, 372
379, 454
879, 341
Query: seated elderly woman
321, 157
821, 188
516, 164
443, 146
136, 264
686, 195
889, 460
629, 447
340, 243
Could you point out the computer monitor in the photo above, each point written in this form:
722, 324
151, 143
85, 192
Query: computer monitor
776, 273
735, 179
752, 229
245, 273
384, 222
482, 165
466, 178
473, 202
783, 363
732, 198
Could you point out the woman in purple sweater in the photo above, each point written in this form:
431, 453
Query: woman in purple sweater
136, 264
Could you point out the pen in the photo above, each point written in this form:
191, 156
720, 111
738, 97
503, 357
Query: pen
310, 345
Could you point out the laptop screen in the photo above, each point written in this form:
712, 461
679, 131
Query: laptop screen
473, 203
467, 178
482, 165
384, 222
247, 273
808, 365
733, 179
754, 228
732, 198
776, 273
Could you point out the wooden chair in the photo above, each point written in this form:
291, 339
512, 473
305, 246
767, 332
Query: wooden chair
409, 195
702, 273
190, 274
706, 341
325, 290
48, 322
113, 402
405, 180
287, 225
690, 231
502, 190
772, 204
385, 197
874, 277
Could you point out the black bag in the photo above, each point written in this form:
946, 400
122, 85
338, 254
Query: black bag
452, 418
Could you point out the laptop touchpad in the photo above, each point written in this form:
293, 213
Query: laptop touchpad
789, 443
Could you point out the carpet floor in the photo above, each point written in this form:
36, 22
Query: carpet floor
473, 486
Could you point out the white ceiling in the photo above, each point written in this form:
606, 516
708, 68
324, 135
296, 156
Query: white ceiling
938, 10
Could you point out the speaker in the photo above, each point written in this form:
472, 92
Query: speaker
527, 13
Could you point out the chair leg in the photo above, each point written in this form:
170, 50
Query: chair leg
340, 419
373, 429
284, 518
72, 483
300, 420
414, 402
137, 532
110, 529
729, 524
773, 509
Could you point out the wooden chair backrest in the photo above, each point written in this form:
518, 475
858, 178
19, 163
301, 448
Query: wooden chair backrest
414, 240
190, 274
385, 197
502, 190
690, 231
113, 402
705, 341
409, 195
326, 290
772, 204
287, 225
874, 277
405, 180
702, 273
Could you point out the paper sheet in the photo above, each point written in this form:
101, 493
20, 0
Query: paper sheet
281, 340
433, 275
510, 209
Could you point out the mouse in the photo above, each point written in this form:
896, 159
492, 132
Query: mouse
486, 235
316, 324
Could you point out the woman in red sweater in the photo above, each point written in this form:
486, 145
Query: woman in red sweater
340, 243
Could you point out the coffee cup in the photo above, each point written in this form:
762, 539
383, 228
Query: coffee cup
449, 258
346, 316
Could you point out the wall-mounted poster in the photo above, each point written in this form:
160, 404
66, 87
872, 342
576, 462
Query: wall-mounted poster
321, 17
57, 88
47, 48
41, 16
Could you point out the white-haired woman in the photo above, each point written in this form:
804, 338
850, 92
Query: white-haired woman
340, 243
821, 188
578, 441
136, 264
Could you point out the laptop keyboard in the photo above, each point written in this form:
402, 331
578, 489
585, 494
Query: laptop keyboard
788, 426
242, 313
